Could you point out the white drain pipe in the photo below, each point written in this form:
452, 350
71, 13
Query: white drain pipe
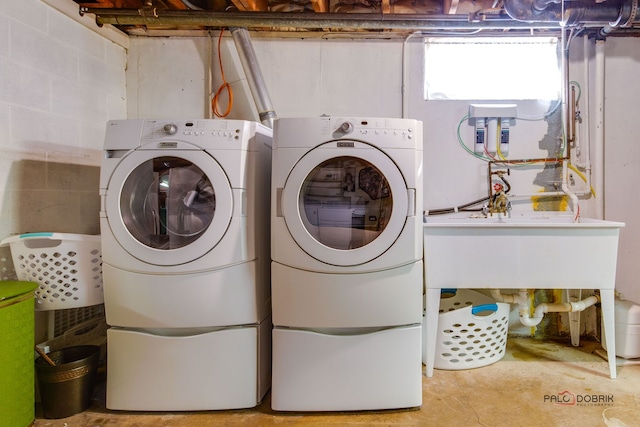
522, 299
599, 125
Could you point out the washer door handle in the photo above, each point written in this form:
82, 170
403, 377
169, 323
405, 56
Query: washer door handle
279, 201
411, 202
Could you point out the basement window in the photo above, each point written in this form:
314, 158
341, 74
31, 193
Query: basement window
492, 68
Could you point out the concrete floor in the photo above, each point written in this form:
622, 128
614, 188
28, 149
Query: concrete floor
521, 389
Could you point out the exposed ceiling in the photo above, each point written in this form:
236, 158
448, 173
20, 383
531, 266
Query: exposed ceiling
156, 17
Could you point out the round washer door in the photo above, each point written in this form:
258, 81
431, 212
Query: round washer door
168, 207
345, 203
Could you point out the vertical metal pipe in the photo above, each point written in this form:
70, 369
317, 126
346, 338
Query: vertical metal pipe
254, 75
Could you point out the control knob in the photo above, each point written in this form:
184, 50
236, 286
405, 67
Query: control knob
346, 127
170, 128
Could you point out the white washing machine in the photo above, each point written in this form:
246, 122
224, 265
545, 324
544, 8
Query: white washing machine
185, 251
347, 264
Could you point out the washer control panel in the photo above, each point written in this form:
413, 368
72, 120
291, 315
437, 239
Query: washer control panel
192, 131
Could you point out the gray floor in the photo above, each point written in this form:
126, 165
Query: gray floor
537, 383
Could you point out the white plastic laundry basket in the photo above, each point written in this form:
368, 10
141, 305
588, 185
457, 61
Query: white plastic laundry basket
91, 332
472, 330
67, 267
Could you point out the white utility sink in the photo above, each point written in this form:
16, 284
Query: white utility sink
537, 250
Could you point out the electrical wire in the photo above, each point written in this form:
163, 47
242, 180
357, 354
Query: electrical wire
225, 86
463, 145
576, 84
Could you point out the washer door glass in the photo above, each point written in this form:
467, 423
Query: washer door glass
173, 207
347, 209
167, 202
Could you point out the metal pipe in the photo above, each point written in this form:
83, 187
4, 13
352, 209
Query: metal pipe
625, 18
254, 76
543, 4
522, 14
364, 21
575, 12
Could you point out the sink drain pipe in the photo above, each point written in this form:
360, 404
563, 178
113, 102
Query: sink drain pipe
522, 299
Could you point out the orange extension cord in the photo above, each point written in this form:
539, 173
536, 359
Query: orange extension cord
225, 85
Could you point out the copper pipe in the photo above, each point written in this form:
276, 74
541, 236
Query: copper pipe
539, 160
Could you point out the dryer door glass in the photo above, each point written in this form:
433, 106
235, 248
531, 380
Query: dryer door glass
345, 205
345, 202
167, 202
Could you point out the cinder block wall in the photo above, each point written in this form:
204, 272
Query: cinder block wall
59, 84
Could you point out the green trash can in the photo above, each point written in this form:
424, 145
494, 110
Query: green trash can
17, 377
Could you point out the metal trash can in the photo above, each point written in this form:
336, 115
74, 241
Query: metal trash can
17, 391
66, 389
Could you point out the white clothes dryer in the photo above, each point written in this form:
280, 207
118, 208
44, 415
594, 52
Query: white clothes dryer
185, 252
347, 263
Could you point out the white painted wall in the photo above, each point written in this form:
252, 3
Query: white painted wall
169, 77
622, 156
59, 84
336, 76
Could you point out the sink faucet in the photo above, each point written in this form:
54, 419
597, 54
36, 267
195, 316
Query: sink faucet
499, 203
